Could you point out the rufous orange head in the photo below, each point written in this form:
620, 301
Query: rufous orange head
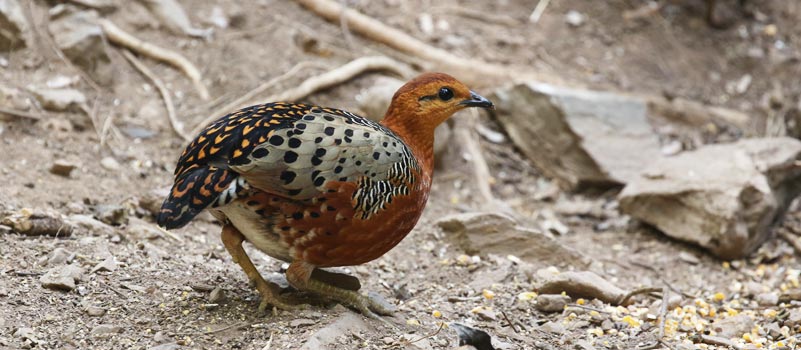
429, 99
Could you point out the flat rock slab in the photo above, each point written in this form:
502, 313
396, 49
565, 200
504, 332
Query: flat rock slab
499, 234
725, 198
583, 284
578, 137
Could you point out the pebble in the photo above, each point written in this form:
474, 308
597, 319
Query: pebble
160, 337
95, 311
110, 164
553, 327
105, 329
114, 215
486, 314
59, 256
767, 299
110, 264
61, 277
733, 327
794, 318
59, 99
574, 18
551, 302
302, 322
62, 168
217, 295
27, 333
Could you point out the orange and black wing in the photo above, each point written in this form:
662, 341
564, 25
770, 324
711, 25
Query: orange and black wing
203, 175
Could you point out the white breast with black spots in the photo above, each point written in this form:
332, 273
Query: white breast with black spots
322, 147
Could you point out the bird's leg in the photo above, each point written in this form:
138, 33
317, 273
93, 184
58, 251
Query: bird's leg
299, 276
232, 239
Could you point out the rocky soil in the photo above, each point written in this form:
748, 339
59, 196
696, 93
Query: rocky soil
87, 154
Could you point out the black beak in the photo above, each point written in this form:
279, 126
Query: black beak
477, 100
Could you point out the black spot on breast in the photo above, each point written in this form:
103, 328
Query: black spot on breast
329, 233
308, 117
290, 133
338, 169
260, 153
328, 118
301, 126
387, 152
314, 214
338, 142
329, 130
358, 163
316, 160
297, 215
290, 157
376, 155
285, 228
385, 144
342, 160
253, 203
293, 192
294, 143
315, 173
343, 179
288, 176
349, 132
260, 212
318, 140
330, 208
366, 135
348, 139
320, 152
276, 140
319, 181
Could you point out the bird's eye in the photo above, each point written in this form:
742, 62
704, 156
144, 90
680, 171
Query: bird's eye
445, 94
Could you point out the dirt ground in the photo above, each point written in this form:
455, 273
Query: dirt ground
157, 295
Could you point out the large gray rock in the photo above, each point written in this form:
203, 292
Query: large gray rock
725, 197
493, 233
578, 137
13, 25
80, 37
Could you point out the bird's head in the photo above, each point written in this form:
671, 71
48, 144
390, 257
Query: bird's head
429, 99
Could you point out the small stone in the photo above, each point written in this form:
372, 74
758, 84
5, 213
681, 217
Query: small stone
61, 278
767, 299
551, 302
607, 324
27, 333
62, 168
110, 264
217, 295
105, 329
302, 322
733, 327
553, 327
773, 330
110, 164
59, 99
160, 337
13, 25
80, 37
59, 256
689, 258
486, 314
114, 215
794, 319
574, 18
95, 311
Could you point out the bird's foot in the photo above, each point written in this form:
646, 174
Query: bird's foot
269, 293
368, 306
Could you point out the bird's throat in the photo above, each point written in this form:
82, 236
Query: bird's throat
419, 138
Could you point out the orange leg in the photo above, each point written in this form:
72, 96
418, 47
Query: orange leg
232, 239
299, 276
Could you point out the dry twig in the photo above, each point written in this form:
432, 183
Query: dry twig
313, 84
18, 113
441, 325
165, 94
118, 36
472, 71
647, 290
663, 312
538, 11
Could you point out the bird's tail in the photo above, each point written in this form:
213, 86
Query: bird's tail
194, 190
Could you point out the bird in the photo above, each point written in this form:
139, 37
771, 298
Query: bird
316, 187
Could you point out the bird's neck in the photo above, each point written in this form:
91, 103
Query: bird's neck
419, 138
